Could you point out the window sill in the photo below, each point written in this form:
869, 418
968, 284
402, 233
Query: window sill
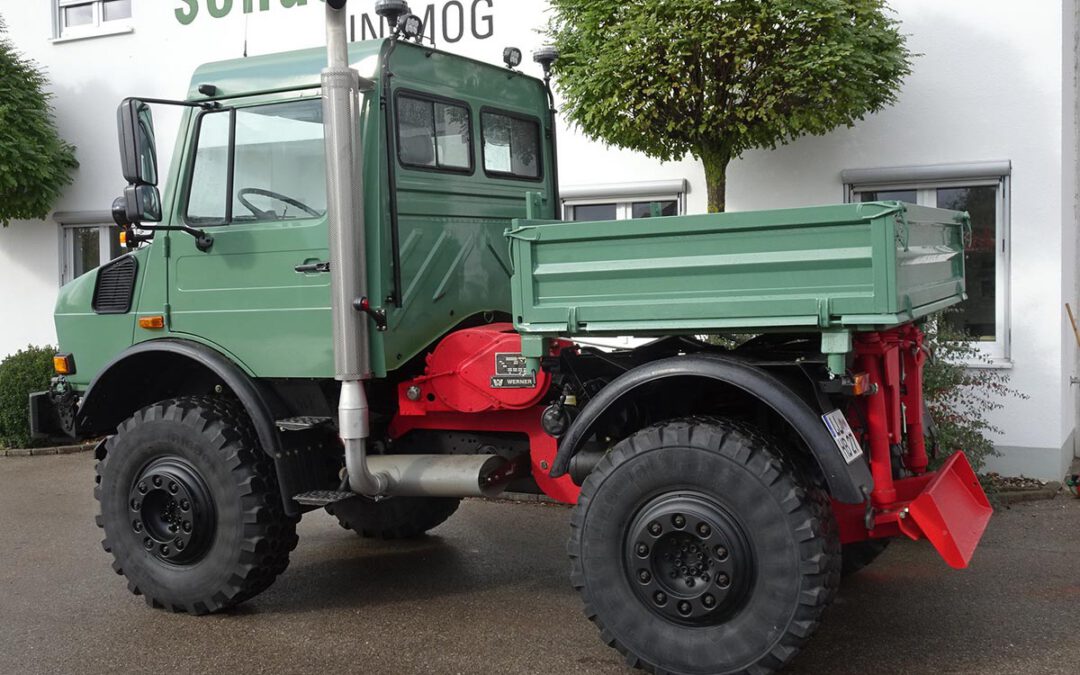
994, 364
89, 35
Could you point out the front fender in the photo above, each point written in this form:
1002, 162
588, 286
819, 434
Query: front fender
848, 483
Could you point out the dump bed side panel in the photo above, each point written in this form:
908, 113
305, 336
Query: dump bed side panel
809, 267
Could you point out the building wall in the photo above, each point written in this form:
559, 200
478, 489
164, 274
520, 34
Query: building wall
994, 81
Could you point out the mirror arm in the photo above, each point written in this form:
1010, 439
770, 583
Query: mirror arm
204, 241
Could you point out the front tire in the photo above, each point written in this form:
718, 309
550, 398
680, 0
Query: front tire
698, 548
190, 506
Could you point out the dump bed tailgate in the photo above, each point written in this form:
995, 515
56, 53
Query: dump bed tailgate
868, 265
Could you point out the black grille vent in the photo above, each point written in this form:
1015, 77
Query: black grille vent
115, 285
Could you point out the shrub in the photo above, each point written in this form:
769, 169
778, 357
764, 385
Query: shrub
21, 374
960, 396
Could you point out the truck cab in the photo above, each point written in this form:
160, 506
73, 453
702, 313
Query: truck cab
451, 148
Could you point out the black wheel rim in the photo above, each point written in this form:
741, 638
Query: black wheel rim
688, 559
172, 512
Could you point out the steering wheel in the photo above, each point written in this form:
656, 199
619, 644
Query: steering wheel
259, 213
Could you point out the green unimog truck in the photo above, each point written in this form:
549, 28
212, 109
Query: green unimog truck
352, 291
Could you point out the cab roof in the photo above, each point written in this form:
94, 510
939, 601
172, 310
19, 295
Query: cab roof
302, 69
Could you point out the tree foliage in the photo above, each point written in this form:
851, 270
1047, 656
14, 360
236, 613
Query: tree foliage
35, 163
21, 374
713, 78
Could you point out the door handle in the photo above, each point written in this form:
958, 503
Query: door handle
313, 268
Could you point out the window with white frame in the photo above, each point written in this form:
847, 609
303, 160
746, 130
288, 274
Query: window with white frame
85, 18
624, 201
983, 191
84, 247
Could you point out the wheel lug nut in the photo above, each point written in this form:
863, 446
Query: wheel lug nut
690, 582
156, 480
642, 549
705, 577
148, 543
660, 597
164, 550
721, 552
723, 580
179, 543
678, 520
174, 488
655, 529
704, 530
143, 489
187, 526
684, 607
184, 505
709, 601
644, 576
137, 525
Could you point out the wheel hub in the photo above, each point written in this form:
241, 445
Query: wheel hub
688, 559
171, 511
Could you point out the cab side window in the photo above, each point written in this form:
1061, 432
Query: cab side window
433, 134
511, 145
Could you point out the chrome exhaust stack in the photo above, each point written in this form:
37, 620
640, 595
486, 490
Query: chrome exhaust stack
341, 87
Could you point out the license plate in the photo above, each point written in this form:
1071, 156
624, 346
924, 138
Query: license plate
842, 434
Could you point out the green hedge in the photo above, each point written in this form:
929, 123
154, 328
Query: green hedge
22, 373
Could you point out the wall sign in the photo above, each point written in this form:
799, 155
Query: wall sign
446, 22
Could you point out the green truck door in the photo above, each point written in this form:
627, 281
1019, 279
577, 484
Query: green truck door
244, 295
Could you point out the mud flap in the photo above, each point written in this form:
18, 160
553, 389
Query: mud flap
951, 512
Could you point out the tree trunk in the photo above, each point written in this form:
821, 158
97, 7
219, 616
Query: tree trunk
716, 162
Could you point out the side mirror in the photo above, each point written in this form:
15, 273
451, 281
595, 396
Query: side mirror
142, 204
138, 149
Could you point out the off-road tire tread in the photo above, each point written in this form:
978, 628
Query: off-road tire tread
820, 552
269, 534
401, 518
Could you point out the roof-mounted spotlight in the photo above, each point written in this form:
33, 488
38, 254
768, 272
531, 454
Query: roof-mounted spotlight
512, 57
411, 26
392, 11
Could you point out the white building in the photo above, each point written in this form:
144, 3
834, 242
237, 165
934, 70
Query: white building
987, 122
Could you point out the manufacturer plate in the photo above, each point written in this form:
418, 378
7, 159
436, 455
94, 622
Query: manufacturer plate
842, 434
512, 372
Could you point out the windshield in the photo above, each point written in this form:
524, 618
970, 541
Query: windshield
278, 170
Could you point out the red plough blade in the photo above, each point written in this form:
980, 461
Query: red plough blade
952, 512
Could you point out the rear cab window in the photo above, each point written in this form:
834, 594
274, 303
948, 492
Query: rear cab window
434, 133
511, 145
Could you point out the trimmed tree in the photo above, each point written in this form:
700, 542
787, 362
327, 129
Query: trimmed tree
714, 78
35, 163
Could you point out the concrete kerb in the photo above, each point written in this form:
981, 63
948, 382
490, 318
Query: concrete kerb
40, 452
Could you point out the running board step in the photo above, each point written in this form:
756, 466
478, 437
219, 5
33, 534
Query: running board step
303, 423
322, 497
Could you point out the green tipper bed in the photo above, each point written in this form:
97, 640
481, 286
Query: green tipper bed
848, 267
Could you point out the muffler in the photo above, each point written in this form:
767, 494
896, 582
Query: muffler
442, 475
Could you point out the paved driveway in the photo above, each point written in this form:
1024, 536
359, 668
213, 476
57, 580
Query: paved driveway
488, 593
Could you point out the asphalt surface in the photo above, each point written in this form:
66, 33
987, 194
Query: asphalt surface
488, 593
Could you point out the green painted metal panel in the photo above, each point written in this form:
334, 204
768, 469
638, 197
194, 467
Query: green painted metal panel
881, 263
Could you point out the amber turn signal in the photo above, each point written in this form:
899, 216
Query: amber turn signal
156, 322
64, 364
861, 384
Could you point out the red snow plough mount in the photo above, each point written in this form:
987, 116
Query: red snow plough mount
460, 390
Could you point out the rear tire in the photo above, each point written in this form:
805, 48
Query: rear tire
399, 518
190, 506
698, 548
